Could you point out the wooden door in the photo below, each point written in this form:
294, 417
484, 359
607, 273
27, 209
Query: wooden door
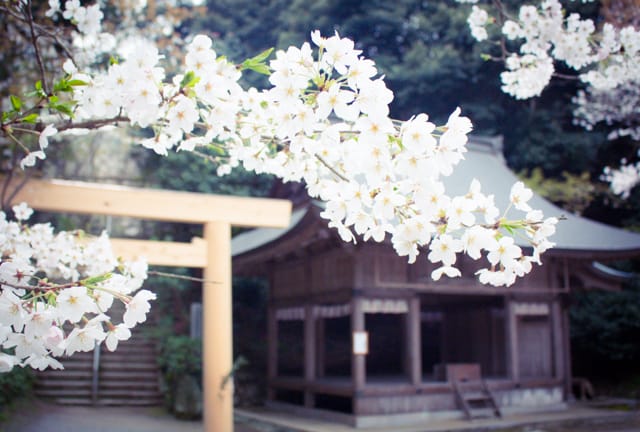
534, 347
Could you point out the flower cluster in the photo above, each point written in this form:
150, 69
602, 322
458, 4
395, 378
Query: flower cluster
325, 121
57, 291
617, 108
623, 178
605, 59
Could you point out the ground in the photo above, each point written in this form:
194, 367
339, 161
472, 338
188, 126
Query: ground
40, 416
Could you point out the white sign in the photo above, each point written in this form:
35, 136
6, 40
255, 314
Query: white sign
360, 343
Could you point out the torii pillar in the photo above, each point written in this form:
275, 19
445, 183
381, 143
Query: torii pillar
217, 214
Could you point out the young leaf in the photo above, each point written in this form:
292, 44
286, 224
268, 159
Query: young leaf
16, 103
261, 68
96, 279
31, 118
77, 82
260, 58
63, 108
189, 80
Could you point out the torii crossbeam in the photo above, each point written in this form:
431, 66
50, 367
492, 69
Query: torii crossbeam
213, 253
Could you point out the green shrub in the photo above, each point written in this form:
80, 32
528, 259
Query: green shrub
179, 356
14, 385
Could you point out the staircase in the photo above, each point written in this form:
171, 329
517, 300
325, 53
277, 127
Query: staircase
470, 389
127, 376
476, 399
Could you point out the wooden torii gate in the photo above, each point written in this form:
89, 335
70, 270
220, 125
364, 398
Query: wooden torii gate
217, 214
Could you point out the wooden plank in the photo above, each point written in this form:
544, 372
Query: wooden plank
164, 253
92, 198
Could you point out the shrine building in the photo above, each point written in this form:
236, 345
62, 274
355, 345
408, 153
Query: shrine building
358, 335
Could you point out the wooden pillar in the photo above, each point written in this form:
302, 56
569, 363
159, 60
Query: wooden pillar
309, 355
511, 321
217, 342
272, 351
558, 339
568, 375
358, 363
413, 339
320, 348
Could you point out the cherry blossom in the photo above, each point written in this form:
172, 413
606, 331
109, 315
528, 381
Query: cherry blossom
324, 120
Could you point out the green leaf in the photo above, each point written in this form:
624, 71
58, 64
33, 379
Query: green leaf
31, 118
62, 86
257, 64
96, 279
217, 150
260, 58
508, 228
63, 108
39, 85
77, 83
16, 103
260, 68
189, 80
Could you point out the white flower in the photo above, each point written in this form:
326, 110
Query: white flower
476, 239
477, 21
71, 8
7, 362
511, 30
446, 270
22, 211
42, 362
12, 313
137, 308
54, 8
520, 195
31, 158
444, 248
116, 334
183, 115
72, 303
417, 135
504, 252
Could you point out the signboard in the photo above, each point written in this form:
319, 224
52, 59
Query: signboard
360, 343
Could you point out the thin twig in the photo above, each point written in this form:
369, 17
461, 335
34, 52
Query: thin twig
501, 20
330, 168
182, 277
90, 124
34, 41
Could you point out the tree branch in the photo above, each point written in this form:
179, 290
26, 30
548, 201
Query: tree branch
34, 42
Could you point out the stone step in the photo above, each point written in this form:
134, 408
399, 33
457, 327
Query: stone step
64, 374
129, 376
142, 357
112, 384
64, 393
62, 383
154, 401
122, 365
128, 393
